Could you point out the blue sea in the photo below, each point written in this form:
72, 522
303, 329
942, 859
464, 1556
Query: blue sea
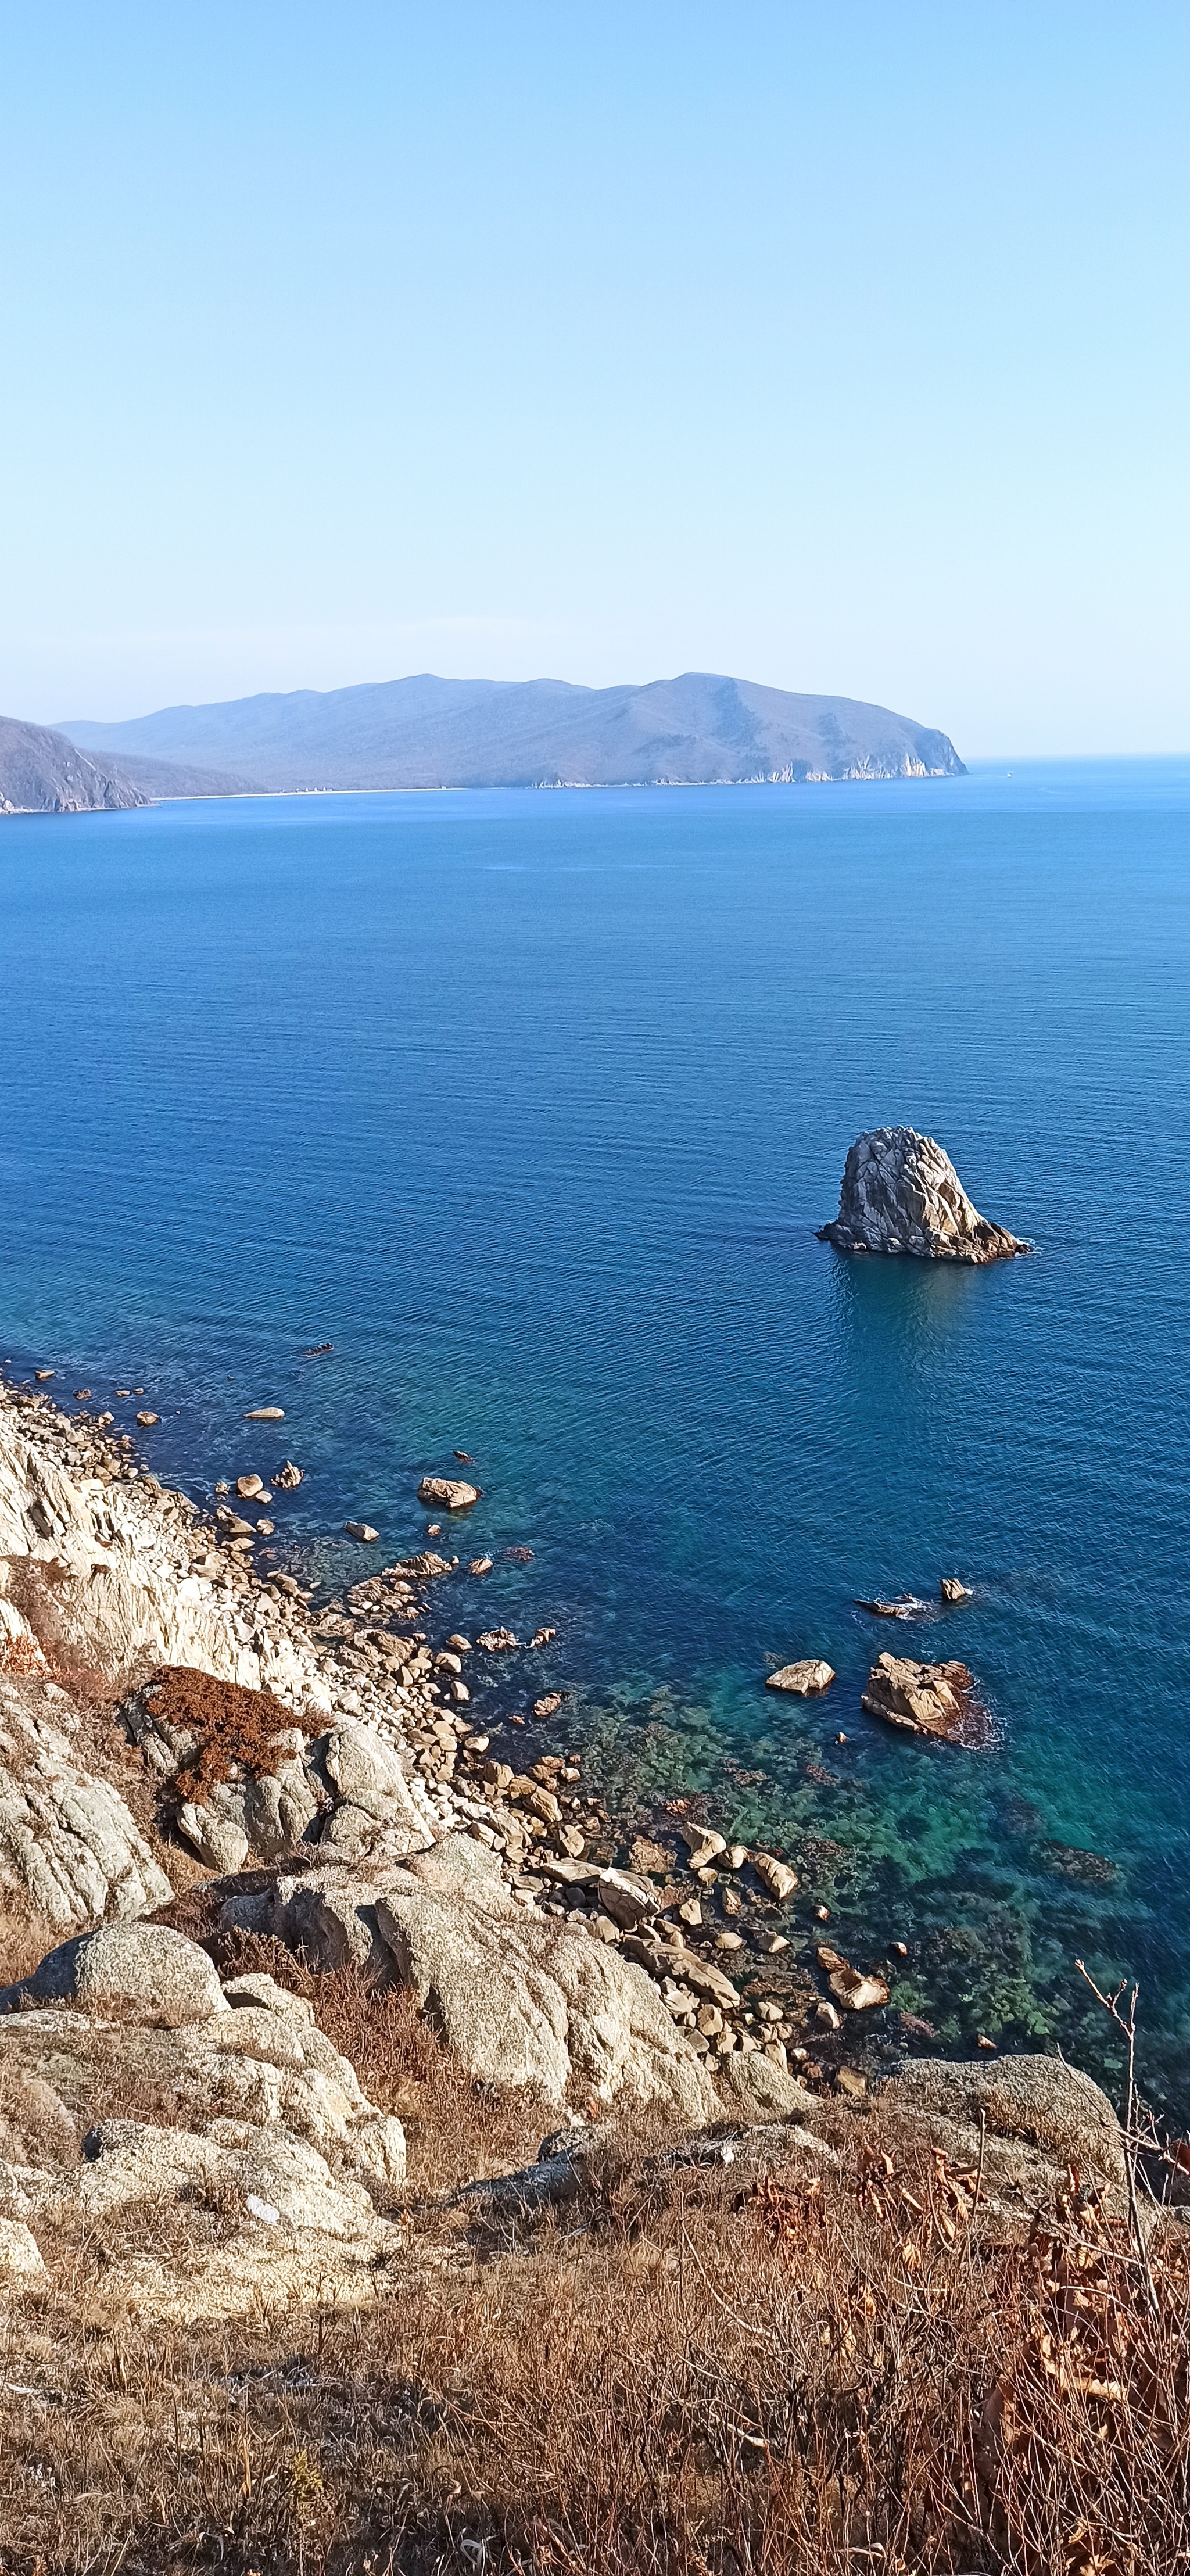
530, 1105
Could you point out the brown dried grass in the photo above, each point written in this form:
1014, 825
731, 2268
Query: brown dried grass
682, 2374
456, 2127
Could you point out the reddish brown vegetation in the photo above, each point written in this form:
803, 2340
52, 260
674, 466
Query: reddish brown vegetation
233, 1725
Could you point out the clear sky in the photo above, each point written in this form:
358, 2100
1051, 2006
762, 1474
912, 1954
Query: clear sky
841, 347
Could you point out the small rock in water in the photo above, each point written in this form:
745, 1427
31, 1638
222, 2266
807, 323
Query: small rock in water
775, 1875
805, 1678
481, 1565
901, 1193
849, 1986
464, 1459
265, 1413
247, 1486
42, 1374
361, 1530
546, 1707
952, 1590
449, 1491
650, 1857
459, 1645
496, 1641
433, 1529
702, 1844
906, 1606
147, 1419
265, 1529
122, 1391
518, 1555
288, 1476
82, 1392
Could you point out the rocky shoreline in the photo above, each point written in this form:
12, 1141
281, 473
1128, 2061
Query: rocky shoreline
214, 1781
380, 1750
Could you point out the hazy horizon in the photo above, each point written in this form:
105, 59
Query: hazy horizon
836, 351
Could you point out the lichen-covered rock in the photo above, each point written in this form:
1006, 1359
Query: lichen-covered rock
1038, 2112
901, 1193
924, 1699
519, 1997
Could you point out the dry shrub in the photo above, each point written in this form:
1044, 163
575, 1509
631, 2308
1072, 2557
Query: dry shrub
690, 2373
25, 1936
456, 2126
233, 1725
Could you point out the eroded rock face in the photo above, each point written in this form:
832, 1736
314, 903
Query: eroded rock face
261, 2098
901, 1193
67, 1839
925, 1699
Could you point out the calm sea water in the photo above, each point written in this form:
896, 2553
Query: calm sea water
530, 1104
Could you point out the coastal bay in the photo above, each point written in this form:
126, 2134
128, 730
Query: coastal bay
531, 1107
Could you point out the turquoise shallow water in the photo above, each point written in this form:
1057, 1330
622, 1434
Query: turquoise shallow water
530, 1105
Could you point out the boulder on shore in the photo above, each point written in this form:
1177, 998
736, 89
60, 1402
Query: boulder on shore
901, 1193
925, 1699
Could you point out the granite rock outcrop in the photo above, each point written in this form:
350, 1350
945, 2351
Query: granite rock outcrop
901, 1193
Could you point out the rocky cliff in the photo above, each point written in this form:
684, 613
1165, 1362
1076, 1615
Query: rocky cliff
901, 1193
42, 773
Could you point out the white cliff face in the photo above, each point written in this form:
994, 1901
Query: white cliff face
126, 1587
901, 1193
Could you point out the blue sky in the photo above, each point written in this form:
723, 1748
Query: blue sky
842, 347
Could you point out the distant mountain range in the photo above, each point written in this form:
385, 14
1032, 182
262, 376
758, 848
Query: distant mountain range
42, 772
697, 730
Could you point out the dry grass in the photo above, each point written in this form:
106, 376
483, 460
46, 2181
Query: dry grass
25, 1936
683, 2372
456, 2127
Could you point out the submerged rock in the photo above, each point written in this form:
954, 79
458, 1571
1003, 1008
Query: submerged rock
901, 1193
926, 1699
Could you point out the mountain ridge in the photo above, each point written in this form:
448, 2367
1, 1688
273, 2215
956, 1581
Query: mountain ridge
702, 728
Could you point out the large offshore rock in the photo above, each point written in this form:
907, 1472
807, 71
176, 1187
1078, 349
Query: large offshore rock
924, 1699
901, 1193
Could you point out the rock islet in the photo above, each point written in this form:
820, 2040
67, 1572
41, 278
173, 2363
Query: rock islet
902, 1194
